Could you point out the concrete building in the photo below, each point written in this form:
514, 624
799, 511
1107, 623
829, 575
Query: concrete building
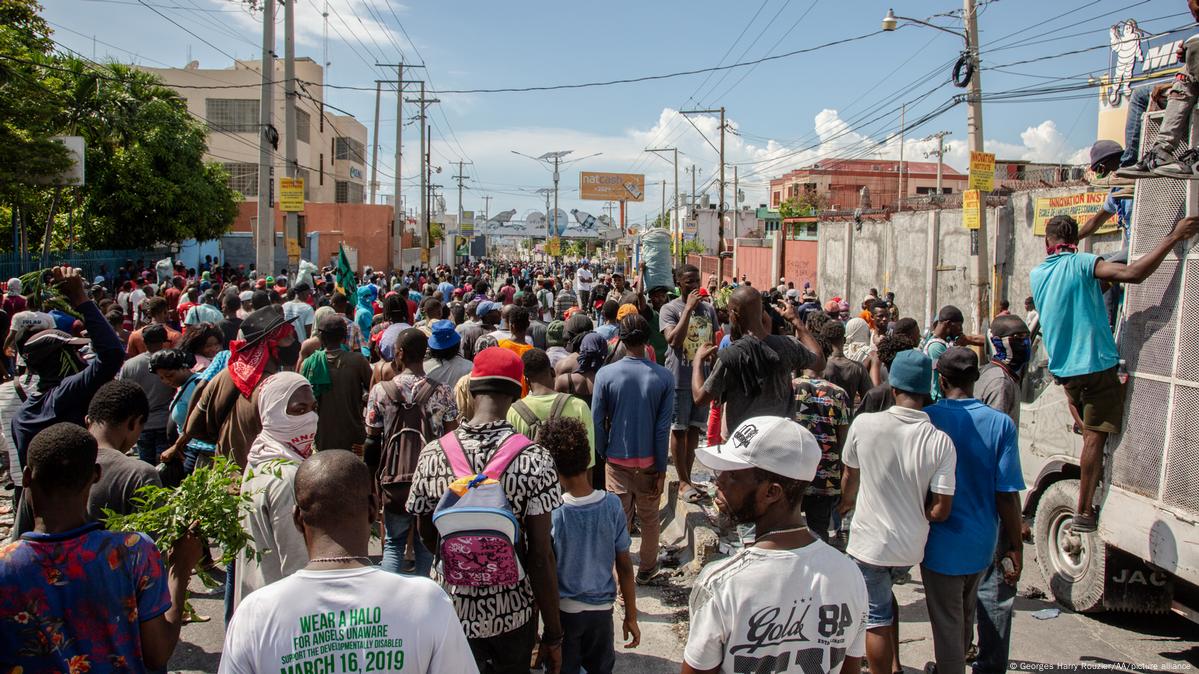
331, 149
839, 182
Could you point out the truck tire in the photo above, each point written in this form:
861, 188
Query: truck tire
1073, 564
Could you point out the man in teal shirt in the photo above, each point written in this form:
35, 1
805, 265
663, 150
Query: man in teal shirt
1077, 336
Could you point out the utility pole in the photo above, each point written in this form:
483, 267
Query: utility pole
486, 206
268, 139
375, 143
460, 177
933, 254
291, 222
425, 141
720, 206
900, 192
736, 208
398, 215
974, 128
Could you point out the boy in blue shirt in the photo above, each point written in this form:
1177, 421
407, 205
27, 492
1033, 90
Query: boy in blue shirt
590, 537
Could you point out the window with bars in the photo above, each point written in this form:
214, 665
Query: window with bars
347, 192
243, 178
233, 115
303, 125
352, 149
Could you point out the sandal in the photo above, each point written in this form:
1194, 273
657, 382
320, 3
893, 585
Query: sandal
691, 495
1085, 523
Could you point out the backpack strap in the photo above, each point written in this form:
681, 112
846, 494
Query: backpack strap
391, 391
522, 410
508, 451
422, 392
560, 402
454, 454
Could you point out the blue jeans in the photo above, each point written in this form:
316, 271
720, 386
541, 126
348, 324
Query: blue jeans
1137, 105
879, 580
395, 539
995, 601
151, 443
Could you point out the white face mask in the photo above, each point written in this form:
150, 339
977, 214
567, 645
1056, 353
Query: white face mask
296, 432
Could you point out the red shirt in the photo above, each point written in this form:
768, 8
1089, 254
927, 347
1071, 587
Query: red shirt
172, 296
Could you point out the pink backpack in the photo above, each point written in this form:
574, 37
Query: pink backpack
477, 528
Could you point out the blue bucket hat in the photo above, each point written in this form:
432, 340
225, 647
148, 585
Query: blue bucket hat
486, 307
912, 371
444, 336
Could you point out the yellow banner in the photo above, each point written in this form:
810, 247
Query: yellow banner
971, 209
1079, 206
982, 171
553, 247
291, 194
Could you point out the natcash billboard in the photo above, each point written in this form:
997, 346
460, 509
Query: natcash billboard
611, 186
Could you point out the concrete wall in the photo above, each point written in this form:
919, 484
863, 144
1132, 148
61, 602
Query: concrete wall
238, 248
366, 227
893, 255
800, 262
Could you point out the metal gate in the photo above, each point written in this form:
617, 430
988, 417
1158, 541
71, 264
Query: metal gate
1157, 455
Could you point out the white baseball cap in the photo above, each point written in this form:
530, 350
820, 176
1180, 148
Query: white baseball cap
775, 444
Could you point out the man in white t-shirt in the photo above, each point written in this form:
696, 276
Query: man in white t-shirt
789, 602
301, 310
341, 613
583, 281
893, 460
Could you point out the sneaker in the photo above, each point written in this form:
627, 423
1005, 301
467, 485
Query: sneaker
1143, 168
647, 577
1182, 168
1085, 523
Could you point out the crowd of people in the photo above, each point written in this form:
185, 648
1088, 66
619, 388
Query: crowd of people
512, 423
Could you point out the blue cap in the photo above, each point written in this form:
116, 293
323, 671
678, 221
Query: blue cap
912, 371
486, 307
444, 335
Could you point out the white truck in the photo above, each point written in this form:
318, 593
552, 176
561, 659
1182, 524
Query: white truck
1145, 555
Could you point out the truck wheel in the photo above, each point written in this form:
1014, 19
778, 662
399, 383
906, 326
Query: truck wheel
1073, 564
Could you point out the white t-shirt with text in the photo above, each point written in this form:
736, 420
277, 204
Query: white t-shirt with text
901, 457
800, 610
351, 620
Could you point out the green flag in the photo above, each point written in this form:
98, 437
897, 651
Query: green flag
345, 275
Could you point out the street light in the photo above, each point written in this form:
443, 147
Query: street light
891, 22
966, 74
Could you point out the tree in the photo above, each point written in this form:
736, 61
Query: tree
27, 105
806, 203
693, 247
436, 232
146, 180
575, 249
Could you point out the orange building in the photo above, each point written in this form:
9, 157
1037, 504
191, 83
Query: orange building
841, 180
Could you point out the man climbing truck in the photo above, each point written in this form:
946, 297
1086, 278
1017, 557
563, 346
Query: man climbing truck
1111, 456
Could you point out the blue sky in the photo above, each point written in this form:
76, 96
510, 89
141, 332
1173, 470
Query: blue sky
841, 100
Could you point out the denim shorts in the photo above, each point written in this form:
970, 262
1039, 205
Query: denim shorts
879, 580
686, 413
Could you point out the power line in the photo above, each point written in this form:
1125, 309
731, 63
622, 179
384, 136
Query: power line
632, 80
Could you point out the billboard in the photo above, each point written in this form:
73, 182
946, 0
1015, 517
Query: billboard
611, 186
1079, 206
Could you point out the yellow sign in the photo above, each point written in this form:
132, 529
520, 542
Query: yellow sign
611, 186
620, 255
1078, 206
553, 247
293, 247
424, 256
291, 194
971, 209
982, 171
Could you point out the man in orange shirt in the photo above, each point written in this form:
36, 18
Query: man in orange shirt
518, 325
157, 310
